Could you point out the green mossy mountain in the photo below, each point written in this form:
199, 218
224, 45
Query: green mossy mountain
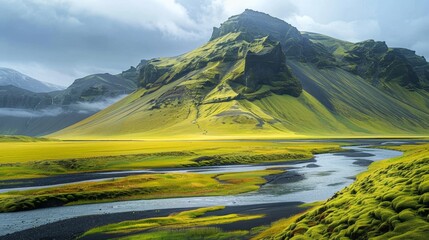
246, 68
258, 75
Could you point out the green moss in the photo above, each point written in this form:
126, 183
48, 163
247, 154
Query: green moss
403, 202
387, 202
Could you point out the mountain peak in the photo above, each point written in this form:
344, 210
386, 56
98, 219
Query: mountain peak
12, 77
256, 24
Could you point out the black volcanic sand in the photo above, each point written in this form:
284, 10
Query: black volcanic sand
284, 177
312, 165
74, 227
353, 153
362, 162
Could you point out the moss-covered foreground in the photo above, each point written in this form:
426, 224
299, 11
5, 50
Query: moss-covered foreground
184, 225
390, 201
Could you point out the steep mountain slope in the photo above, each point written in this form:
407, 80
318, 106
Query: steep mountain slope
29, 113
11, 77
260, 77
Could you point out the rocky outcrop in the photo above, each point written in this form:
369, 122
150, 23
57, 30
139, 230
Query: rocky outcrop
269, 68
373, 60
150, 73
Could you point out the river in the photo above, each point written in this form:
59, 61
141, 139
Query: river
317, 180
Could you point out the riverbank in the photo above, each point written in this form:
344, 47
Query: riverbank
75, 227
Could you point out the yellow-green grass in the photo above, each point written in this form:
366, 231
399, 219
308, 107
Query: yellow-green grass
389, 201
147, 186
21, 138
190, 224
39, 159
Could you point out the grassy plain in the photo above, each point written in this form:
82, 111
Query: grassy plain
20, 160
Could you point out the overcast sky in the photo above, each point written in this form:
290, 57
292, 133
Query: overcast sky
60, 40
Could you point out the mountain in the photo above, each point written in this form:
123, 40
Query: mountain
259, 77
11, 77
29, 113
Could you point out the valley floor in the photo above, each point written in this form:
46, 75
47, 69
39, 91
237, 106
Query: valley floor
42, 164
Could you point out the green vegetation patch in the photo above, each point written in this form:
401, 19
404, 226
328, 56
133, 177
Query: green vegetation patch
19, 138
146, 186
390, 201
184, 225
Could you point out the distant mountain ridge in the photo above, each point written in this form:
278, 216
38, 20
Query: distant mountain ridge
37, 113
12, 77
259, 76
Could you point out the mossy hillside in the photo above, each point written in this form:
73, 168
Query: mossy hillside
39, 159
390, 201
321, 110
336, 47
190, 224
367, 110
147, 186
221, 62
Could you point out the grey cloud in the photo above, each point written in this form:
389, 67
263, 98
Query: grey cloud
88, 107
48, 37
27, 113
60, 41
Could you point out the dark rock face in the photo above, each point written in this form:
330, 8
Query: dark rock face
95, 88
14, 97
396, 68
374, 61
269, 68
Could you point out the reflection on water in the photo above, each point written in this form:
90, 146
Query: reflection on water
334, 172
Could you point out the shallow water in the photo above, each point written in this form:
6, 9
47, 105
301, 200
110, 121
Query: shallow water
334, 172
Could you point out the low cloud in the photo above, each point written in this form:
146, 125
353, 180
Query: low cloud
28, 113
90, 107
80, 108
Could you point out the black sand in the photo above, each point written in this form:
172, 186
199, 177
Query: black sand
74, 227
